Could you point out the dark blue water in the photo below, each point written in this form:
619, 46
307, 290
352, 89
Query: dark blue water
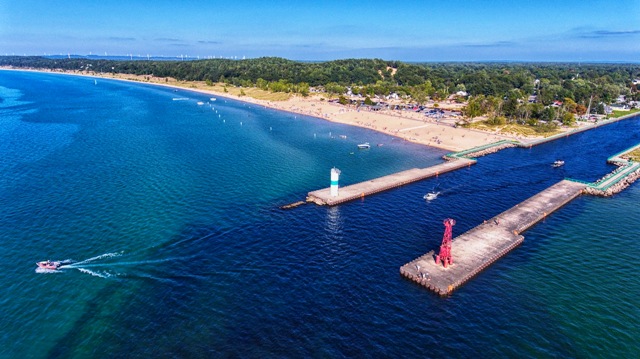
173, 207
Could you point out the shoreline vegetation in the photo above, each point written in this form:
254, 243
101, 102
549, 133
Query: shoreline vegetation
448, 123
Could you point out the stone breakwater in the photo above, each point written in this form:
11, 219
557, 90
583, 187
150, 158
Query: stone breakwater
491, 150
616, 188
480, 151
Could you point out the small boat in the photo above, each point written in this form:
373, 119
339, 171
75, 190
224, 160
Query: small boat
212, 99
558, 163
343, 136
200, 103
49, 265
364, 146
431, 196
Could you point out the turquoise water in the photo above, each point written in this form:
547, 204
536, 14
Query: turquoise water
173, 209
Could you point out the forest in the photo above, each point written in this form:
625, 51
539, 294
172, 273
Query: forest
501, 90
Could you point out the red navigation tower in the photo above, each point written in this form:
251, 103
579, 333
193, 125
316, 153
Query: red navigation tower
445, 247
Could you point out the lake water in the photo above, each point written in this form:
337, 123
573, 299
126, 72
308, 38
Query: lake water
172, 209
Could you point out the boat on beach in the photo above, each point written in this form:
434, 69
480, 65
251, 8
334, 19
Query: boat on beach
557, 163
364, 146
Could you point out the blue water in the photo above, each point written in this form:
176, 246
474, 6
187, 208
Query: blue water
172, 207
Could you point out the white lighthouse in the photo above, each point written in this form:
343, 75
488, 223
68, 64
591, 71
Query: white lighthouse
335, 175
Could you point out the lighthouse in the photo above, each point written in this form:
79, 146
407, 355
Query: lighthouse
335, 175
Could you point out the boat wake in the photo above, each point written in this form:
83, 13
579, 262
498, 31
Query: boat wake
102, 274
112, 266
103, 266
102, 256
46, 271
58, 266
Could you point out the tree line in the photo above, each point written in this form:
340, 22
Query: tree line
506, 82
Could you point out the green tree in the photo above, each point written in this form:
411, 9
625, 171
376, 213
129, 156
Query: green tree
262, 84
569, 105
568, 119
474, 107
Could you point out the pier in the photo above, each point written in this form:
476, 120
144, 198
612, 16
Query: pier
363, 189
479, 247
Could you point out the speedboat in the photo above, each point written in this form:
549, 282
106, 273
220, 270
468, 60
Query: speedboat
558, 163
431, 196
49, 265
364, 146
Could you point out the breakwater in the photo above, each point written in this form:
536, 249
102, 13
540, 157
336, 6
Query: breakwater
363, 189
627, 172
476, 249
483, 150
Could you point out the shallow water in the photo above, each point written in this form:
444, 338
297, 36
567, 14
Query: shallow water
181, 201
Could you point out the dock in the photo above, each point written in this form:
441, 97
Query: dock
479, 247
359, 190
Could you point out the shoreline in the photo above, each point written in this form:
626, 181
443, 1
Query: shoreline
406, 125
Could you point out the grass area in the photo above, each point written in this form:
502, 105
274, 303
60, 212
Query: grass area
253, 92
513, 129
617, 114
634, 155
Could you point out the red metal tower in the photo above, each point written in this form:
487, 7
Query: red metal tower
445, 247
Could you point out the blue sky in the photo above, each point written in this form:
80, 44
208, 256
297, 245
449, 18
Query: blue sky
452, 30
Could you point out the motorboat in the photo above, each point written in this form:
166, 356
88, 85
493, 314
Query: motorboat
431, 196
364, 146
558, 163
49, 265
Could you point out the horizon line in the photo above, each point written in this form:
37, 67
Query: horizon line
182, 57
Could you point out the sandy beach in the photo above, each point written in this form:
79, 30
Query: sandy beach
408, 125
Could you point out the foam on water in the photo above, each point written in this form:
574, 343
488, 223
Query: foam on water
101, 274
102, 256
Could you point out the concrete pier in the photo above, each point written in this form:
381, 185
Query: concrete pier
476, 249
363, 189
